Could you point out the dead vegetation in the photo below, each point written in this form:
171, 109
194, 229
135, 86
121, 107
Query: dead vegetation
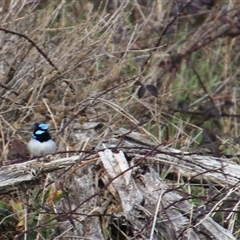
166, 69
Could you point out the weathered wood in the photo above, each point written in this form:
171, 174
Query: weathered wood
137, 193
221, 171
11, 176
132, 192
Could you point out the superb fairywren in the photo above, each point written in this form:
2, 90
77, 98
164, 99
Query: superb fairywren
41, 143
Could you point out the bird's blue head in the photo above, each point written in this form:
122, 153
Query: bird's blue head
40, 132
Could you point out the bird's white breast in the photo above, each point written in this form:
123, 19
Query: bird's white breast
41, 148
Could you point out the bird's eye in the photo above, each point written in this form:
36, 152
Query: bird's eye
35, 126
39, 132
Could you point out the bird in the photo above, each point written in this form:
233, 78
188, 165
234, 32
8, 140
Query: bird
41, 143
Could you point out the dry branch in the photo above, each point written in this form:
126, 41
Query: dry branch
217, 170
11, 176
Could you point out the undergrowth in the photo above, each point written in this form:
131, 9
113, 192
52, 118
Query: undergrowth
173, 77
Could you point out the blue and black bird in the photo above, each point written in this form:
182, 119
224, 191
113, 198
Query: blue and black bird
41, 143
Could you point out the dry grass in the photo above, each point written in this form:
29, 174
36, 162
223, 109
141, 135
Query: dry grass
72, 62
